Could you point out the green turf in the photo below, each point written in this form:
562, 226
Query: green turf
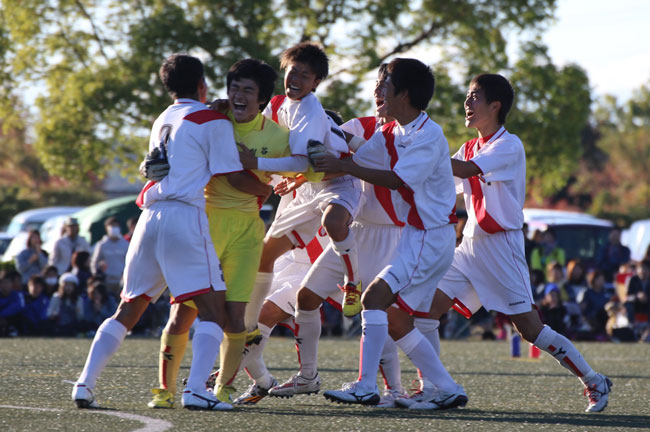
504, 394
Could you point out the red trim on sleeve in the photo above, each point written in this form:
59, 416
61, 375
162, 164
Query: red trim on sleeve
301, 244
188, 296
276, 103
369, 125
204, 116
139, 201
384, 197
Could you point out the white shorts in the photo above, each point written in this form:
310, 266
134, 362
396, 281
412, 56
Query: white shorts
421, 259
171, 246
301, 218
490, 271
375, 246
286, 282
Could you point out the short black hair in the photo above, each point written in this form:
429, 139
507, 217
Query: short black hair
415, 78
334, 116
383, 71
309, 53
111, 221
258, 71
181, 75
496, 88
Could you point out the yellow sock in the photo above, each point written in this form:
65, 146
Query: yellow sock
172, 349
230, 355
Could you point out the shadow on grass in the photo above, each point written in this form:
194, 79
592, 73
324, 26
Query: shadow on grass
469, 415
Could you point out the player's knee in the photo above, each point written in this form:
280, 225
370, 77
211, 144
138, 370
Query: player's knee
307, 299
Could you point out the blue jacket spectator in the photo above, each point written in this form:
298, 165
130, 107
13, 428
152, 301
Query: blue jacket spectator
35, 320
593, 303
612, 255
64, 306
97, 306
11, 305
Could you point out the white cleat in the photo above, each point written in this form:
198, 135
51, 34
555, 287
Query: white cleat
203, 400
254, 394
351, 394
83, 396
438, 399
406, 401
388, 398
598, 393
297, 384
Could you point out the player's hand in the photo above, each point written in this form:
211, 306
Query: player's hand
288, 185
153, 167
325, 162
247, 157
220, 105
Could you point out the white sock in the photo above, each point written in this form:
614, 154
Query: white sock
389, 366
347, 250
424, 357
108, 339
253, 361
375, 332
205, 349
261, 289
565, 353
308, 327
429, 329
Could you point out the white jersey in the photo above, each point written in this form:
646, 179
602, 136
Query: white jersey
305, 119
199, 143
495, 199
418, 153
377, 203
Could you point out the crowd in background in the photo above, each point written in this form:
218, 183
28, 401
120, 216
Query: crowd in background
71, 291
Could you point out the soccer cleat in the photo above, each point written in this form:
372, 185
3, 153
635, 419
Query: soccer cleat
351, 299
598, 394
162, 398
254, 337
83, 396
437, 399
388, 398
350, 394
297, 384
254, 394
204, 400
224, 392
419, 394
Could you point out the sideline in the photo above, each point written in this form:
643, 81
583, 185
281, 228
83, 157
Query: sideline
150, 424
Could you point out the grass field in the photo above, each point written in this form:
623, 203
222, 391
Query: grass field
504, 394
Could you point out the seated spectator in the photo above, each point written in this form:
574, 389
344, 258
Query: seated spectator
15, 279
529, 243
593, 303
80, 267
109, 256
618, 326
547, 251
11, 305
97, 306
553, 312
576, 282
31, 260
64, 306
638, 297
537, 284
51, 279
34, 316
612, 255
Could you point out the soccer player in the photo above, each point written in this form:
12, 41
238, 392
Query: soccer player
411, 157
236, 229
489, 266
171, 245
332, 203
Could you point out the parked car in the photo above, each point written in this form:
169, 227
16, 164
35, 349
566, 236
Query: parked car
581, 235
637, 238
5, 239
91, 219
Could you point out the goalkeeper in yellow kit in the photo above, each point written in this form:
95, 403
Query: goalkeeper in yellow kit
237, 231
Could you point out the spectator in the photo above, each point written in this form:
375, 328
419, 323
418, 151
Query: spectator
11, 305
537, 284
529, 243
546, 251
109, 256
34, 316
64, 306
15, 279
81, 268
612, 255
31, 260
69, 243
618, 325
593, 303
96, 307
51, 279
638, 297
130, 226
553, 311
574, 288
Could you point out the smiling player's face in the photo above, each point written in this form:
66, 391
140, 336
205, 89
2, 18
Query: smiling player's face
479, 113
299, 80
243, 97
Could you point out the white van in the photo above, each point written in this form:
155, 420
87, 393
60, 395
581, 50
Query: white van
637, 238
